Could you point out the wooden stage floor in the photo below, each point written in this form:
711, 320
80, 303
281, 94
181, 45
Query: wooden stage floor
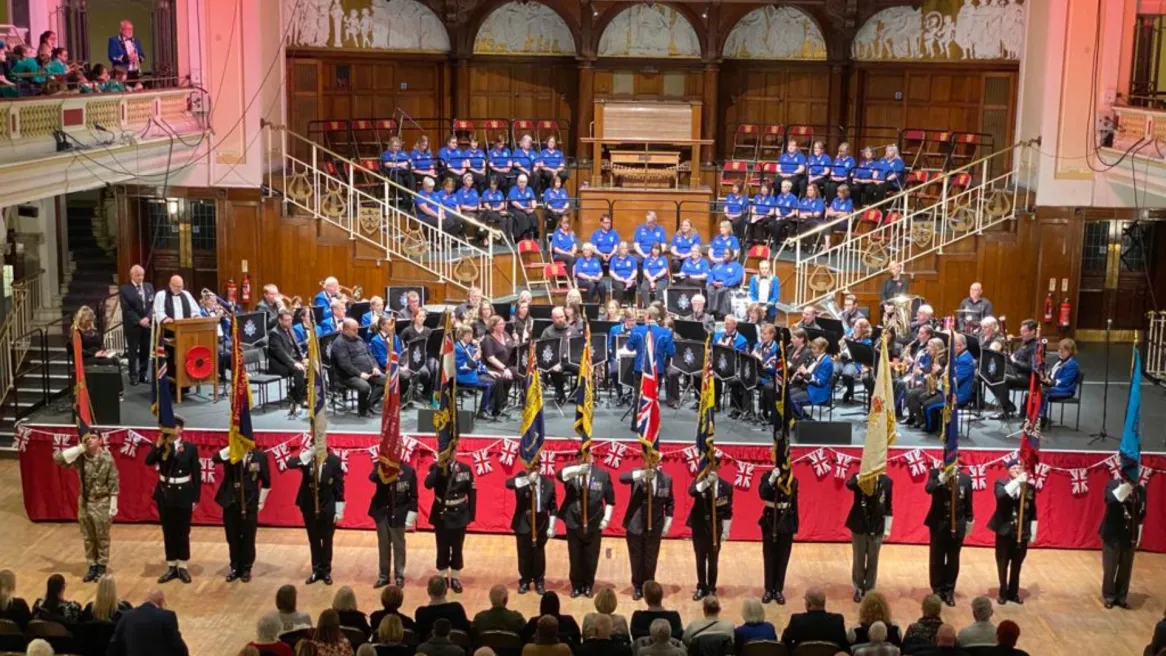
1063, 613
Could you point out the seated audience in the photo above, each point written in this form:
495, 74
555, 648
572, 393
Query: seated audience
397, 165
818, 165
693, 270
982, 631
876, 644
734, 206
862, 182
648, 235
148, 630
475, 163
683, 242
605, 240
451, 159
498, 160
39, 647
390, 638
1008, 634
267, 640
421, 160
450, 223
522, 205
328, 638
54, 607
589, 274
840, 170
761, 215
355, 367
524, 159
556, 204
12, 608
654, 600
492, 204
439, 644
945, 643
624, 272
285, 606
661, 640
923, 631
498, 617
754, 626
565, 624
597, 640
440, 608
655, 275
551, 164
546, 639
344, 603
427, 209
106, 607
710, 624
725, 240
874, 608
888, 174
816, 624
791, 167
605, 604
391, 599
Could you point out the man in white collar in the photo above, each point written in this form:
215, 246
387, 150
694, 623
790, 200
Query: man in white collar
174, 302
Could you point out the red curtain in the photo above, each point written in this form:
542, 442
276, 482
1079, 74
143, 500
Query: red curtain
1070, 503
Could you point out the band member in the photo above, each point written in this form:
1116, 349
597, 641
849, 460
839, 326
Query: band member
1121, 535
137, 298
1062, 379
973, 309
1013, 536
725, 276
376, 311
559, 329
767, 352
665, 348
697, 312
1018, 372
924, 316
354, 366
895, 285
809, 320
417, 369
948, 525
915, 363
730, 337
929, 393
329, 293
270, 304
286, 358
455, 505
412, 306
96, 501
321, 503
242, 494
588, 503
646, 521
765, 288
851, 370
533, 524
812, 384
990, 337
799, 354
710, 518
176, 494
869, 522
779, 525
850, 314
334, 317
394, 509
471, 372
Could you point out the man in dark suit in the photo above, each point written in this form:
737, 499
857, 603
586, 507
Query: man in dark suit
710, 519
356, 368
394, 510
148, 630
321, 502
1014, 523
176, 494
647, 521
242, 495
1121, 534
948, 523
815, 624
286, 358
535, 515
869, 522
137, 302
588, 503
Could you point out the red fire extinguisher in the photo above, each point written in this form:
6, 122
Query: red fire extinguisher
1066, 309
246, 288
1049, 308
231, 291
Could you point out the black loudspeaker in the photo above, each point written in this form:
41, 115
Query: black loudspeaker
465, 421
823, 433
103, 383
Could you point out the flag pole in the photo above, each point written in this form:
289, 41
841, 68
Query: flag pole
955, 478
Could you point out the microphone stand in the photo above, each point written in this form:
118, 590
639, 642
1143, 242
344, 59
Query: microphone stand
1102, 435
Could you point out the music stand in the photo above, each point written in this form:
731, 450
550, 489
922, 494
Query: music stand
973, 344
692, 330
358, 310
326, 345
864, 355
413, 359
252, 328
502, 310
541, 311
749, 331
591, 311
724, 362
600, 327
831, 325
363, 333
433, 345
395, 296
433, 320
549, 352
542, 324
689, 361
678, 300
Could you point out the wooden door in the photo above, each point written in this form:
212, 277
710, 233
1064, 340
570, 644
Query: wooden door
180, 238
1116, 259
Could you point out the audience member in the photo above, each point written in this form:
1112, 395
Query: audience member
660, 639
12, 608
366, 650
874, 608
267, 640
148, 630
816, 624
307, 648
945, 643
439, 643
39, 647
982, 631
546, 639
285, 604
710, 624
391, 599
328, 638
54, 607
923, 631
567, 627
106, 607
1008, 633
876, 644
498, 617
1157, 642
599, 641
344, 603
605, 604
642, 619
390, 637
440, 608
755, 627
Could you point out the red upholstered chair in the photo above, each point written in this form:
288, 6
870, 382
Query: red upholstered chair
772, 142
746, 141
463, 130
757, 253
738, 172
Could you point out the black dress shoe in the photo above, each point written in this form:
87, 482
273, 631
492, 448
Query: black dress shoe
847, 397
540, 587
1123, 604
312, 579
1108, 605
699, 594
949, 599
91, 575
382, 581
587, 592
857, 596
327, 579
232, 576
637, 594
1016, 599
245, 576
779, 598
133, 381
1002, 600
767, 597
455, 585
575, 592
183, 575
400, 581
523, 587
169, 576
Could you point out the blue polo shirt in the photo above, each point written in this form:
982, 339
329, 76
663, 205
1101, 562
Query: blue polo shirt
865, 170
556, 199
623, 267
684, 244
604, 240
422, 160
500, 159
552, 159
720, 243
819, 164
525, 196
563, 240
692, 267
451, 156
730, 274
786, 204
389, 159
762, 204
842, 205
889, 167
646, 237
426, 200
734, 204
654, 265
468, 197
588, 266
811, 208
493, 199
448, 201
524, 159
788, 164
841, 168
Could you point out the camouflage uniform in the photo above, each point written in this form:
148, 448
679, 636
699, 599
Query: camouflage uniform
99, 484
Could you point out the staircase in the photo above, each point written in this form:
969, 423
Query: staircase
918, 222
373, 209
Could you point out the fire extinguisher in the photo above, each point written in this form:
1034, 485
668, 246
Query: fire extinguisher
231, 291
1049, 308
1066, 309
246, 288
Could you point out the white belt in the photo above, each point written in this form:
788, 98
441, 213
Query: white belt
453, 502
782, 506
181, 480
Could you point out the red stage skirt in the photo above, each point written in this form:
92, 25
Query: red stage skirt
1070, 502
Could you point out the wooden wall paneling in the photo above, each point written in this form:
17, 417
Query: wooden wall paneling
239, 228
764, 94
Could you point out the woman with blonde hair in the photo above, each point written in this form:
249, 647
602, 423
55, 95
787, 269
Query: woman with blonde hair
605, 604
106, 607
344, 603
924, 630
874, 608
390, 637
12, 608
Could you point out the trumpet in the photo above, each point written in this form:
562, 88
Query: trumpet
293, 303
348, 294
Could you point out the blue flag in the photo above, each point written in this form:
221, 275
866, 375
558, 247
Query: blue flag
1130, 449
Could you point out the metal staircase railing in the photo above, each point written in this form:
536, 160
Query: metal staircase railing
370, 213
919, 225
14, 332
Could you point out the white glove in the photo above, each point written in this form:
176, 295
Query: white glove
773, 476
702, 485
638, 475
532, 476
968, 527
725, 529
1012, 487
551, 527
113, 506
606, 518
1123, 491
521, 482
339, 512
1023, 478
574, 470
887, 521
263, 492
225, 453
1033, 532
305, 456
410, 521
945, 476
1139, 542
72, 453
667, 525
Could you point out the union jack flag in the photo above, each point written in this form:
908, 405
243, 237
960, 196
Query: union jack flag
648, 417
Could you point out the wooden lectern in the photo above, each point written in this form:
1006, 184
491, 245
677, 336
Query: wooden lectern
181, 335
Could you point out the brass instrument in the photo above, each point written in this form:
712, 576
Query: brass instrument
899, 319
349, 295
293, 303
